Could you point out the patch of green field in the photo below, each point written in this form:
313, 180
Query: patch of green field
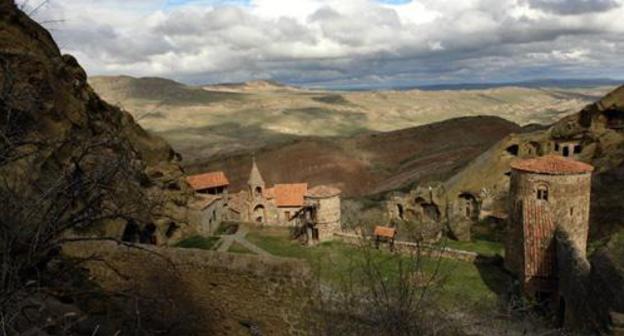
458, 283
238, 248
200, 242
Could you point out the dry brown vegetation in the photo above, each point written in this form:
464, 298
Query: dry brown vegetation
202, 121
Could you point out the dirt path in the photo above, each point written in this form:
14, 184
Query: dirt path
239, 237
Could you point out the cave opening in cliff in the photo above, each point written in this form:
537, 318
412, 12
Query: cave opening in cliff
513, 150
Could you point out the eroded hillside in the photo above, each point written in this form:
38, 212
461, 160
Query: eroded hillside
370, 163
202, 121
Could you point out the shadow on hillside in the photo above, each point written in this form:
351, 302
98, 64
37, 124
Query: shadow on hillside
495, 277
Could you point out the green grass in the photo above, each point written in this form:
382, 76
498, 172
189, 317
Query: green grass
238, 248
200, 242
461, 283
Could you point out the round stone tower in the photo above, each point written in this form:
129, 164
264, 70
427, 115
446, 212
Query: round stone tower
326, 202
545, 194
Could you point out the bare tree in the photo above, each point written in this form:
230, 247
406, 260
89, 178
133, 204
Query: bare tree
383, 293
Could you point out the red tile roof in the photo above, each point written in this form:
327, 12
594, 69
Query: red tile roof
208, 180
552, 165
384, 231
323, 191
290, 194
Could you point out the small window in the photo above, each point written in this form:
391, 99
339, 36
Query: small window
542, 193
566, 151
571, 211
557, 147
287, 215
577, 149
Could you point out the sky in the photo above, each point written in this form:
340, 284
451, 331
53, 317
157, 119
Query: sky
341, 42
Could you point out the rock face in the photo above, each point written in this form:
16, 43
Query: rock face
595, 136
56, 132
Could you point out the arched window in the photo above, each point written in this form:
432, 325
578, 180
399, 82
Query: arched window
258, 191
542, 193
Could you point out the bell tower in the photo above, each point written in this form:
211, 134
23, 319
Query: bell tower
256, 182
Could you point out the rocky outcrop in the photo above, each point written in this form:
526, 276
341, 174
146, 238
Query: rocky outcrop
57, 133
595, 135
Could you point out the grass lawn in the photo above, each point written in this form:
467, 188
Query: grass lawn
204, 243
462, 283
238, 248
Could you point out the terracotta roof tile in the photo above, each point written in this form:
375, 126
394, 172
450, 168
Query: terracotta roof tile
290, 194
269, 193
208, 180
552, 165
384, 231
323, 191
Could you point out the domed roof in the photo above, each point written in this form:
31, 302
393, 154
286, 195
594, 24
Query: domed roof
552, 165
323, 191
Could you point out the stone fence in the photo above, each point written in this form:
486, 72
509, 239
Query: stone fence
423, 248
210, 293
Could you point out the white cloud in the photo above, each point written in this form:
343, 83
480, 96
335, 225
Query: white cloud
341, 41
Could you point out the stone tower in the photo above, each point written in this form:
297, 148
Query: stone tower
255, 183
326, 204
545, 194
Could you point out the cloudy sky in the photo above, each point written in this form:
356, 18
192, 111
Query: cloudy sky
342, 42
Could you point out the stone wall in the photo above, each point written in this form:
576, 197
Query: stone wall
423, 248
213, 293
591, 292
567, 207
328, 217
211, 217
573, 271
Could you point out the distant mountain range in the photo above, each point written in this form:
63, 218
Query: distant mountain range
536, 83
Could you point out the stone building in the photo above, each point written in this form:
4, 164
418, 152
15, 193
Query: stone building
321, 214
211, 211
547, 194
284, 204
210, 205
211, 183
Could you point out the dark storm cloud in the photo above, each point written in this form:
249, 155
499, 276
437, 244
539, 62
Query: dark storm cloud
338, 41
571, 7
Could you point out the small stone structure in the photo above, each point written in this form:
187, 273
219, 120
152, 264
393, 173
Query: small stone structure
211, 211
210, 204
546, 193
431, 209
320, 217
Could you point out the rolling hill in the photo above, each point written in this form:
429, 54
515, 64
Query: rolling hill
228, 118
369, 163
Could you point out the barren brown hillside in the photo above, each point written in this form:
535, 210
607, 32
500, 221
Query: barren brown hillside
370, 163
203, 121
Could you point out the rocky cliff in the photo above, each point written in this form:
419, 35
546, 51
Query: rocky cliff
594, 135
66, 151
